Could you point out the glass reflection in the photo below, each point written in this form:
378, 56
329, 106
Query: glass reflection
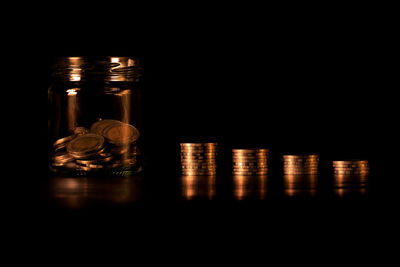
72, 108
75, 70
82, 192
300, 184
198, 186
245, 187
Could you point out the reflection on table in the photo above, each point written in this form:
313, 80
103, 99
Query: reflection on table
300, 184
245, 187
82, 192
346, 185
198, 186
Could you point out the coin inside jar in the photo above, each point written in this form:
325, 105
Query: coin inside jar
121, 134
99, 126
85, 145
62, 142
62, 157
81, 130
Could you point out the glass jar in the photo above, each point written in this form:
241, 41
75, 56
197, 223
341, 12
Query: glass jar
95, 122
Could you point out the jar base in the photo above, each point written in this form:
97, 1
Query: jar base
116, 172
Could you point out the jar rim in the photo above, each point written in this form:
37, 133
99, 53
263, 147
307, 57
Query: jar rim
106, 68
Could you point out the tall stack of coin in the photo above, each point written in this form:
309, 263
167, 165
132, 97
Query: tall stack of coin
250, 161
300, 164
108, 144
198, 158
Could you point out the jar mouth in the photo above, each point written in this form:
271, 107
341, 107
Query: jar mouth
96, 68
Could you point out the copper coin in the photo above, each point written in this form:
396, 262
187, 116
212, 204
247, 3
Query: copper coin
121, 134
99, 126
63, 141
198, 144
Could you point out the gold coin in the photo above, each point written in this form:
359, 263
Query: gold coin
198, 152
68, 165
63, 141
350, 161
301, 156
62, 157
198, 156
249, 169
85, 144
99, 126
100, 160
121, 134
211, 165
249, 157
250, 150
250, 165
198, 144
81, 130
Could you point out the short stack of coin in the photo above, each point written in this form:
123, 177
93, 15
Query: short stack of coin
350, 167
198, 158
300, 164
250, 161
350, 177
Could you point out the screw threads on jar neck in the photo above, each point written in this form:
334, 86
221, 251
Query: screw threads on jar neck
108, 69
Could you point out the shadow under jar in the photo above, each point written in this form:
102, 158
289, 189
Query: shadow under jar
95, 122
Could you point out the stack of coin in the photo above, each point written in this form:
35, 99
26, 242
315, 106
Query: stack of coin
350, 176
198, 158
109, 144
251, 161
300, 164
351, 167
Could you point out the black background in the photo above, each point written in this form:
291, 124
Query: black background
300, 90
304, 84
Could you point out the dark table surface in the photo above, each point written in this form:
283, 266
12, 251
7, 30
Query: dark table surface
151, 192
160, 209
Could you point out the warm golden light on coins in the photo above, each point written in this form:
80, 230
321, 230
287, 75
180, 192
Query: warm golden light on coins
94, 116
198, 158
245, 186
108, 144
250, 161
195, 186
300, 164
350, 176
300, 184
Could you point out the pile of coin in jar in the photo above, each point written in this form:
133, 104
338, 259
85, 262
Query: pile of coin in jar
198, 158
108, 144
250, 161
300, 164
